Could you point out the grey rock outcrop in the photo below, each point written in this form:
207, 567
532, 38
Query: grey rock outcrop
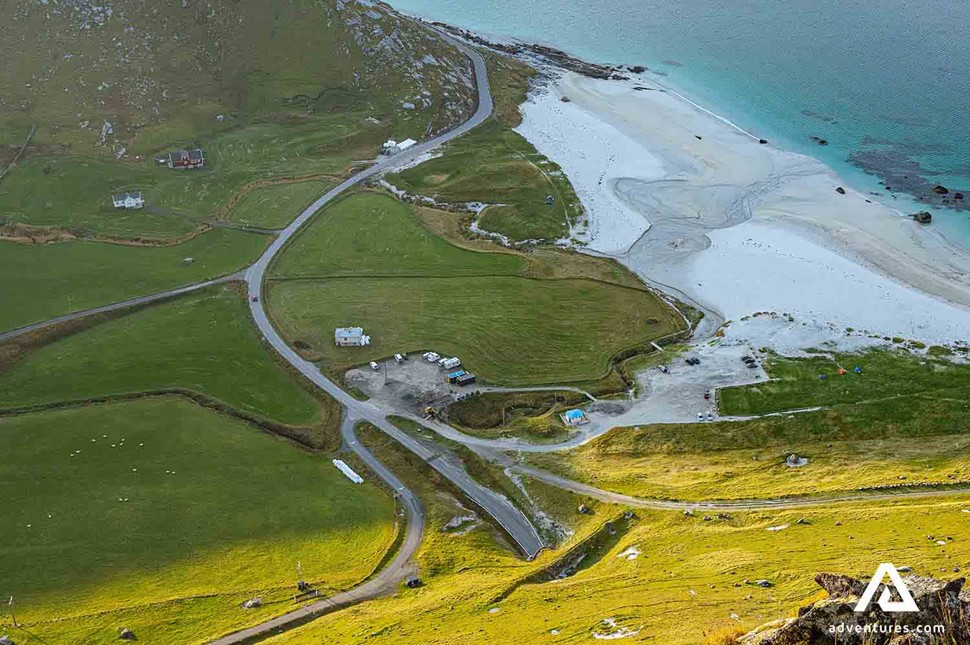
939, 602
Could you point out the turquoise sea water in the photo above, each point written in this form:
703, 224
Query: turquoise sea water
885, 82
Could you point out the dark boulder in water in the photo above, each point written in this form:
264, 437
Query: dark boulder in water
819, 140
957, 195
940, 190
840, 190
762, 141
923, 217
637, 69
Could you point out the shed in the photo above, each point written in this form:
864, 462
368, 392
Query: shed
465, 379
454, 376
575, 417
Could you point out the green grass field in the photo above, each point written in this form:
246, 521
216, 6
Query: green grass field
371, 234
795, 382
412, 291
495, 165
276, 206
509, 330
56, 279
203, 342
686, 582
212, 512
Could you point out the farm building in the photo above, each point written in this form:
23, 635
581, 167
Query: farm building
128, 200
350, 337
186, 159
454, 376
393, 147
575, 417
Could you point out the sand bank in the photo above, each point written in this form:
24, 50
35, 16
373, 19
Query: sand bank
702, 209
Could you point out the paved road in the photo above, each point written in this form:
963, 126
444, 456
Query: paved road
141, 300
384, 582
502, 511
515, 523
727, 505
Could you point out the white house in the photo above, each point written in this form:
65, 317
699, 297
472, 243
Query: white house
128, 200
350, 337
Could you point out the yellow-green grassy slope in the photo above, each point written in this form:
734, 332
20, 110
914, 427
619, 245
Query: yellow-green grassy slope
688, 579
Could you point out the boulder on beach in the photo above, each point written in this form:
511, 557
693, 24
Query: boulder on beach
923, 217
637, 69
565, 99
762, 141
840, 190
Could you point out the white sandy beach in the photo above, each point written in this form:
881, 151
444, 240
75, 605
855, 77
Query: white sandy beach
702, 210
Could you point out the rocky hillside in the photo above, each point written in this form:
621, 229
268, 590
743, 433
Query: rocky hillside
101, 75
940, 603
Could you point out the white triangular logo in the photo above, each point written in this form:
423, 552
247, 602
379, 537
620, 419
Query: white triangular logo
907, 604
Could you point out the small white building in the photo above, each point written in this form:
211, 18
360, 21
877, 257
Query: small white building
350, 337
128, 200
575, 417
392, 147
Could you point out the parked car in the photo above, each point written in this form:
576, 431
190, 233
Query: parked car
374, 366
399, 358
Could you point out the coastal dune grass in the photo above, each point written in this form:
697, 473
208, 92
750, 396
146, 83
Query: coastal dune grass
162, 516
368, 261
202, 342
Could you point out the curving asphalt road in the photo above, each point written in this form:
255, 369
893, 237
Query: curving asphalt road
515, 523
502, 511
384, 582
